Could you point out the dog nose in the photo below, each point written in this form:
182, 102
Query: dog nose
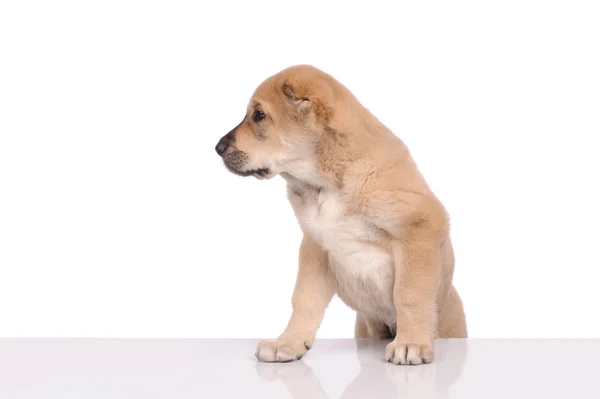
224, 143
222, 147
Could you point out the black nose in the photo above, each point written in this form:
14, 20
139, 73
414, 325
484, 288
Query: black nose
222, 147
224, 143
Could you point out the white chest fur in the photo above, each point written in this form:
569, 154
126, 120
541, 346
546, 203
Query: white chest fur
363, 269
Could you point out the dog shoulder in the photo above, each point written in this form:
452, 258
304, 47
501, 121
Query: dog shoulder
395, 197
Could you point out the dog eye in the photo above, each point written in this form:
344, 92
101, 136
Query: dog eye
258, 116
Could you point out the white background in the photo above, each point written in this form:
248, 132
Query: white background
117, 218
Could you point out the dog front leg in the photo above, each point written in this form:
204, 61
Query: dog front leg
313, 292
417, 264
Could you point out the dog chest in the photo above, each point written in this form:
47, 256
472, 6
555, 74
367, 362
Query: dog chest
324, 217
363, 269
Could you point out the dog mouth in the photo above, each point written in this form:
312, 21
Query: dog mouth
259, 173
236, 161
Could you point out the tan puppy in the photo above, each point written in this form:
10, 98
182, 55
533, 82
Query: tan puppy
374, 232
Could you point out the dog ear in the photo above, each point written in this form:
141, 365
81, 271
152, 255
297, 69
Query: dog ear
310, 95
302, 104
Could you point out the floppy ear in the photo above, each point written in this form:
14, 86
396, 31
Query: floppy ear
301, 103
290, 93
310, 95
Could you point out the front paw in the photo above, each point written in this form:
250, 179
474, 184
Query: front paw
398, 352
281, 350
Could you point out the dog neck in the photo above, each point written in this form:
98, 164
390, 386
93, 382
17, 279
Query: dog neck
306, 171
340, 145
324, 166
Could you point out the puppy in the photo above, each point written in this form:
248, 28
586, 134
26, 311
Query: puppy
373, 231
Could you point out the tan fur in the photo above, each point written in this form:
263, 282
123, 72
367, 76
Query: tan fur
374, 232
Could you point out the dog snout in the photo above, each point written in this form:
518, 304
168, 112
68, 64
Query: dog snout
224, 143
221, 147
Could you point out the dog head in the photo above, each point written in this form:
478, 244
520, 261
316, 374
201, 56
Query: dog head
284, 121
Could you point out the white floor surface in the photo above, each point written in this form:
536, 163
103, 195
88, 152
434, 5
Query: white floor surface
356, 369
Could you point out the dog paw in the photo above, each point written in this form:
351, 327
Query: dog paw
403, 353
281, 350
